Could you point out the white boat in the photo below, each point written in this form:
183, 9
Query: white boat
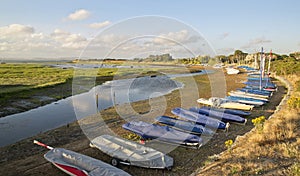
221, 103
131, 153
245, 95
232, 71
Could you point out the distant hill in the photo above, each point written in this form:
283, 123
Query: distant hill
156, 58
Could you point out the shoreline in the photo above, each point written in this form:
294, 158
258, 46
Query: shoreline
30, 157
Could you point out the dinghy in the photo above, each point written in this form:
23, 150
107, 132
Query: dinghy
131, 153
229, 111
241, 93
163, 133
200, 119
76, 164
225, 117
221, 103
186, 126
248, 101
253, 96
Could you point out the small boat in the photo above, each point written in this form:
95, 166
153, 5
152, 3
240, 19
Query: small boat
200, 119
76, 164
232, 71
222, 103
131, 153
248, 95
242, 93
186, 126
257, 79
228, 111
255, 91
248, 101
264, 84
225, 117
163, 133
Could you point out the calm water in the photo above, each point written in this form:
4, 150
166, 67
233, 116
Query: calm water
23, 125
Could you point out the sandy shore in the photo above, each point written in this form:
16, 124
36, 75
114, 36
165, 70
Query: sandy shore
24, 158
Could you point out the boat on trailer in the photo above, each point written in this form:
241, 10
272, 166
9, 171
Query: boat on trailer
77, 164
128, 152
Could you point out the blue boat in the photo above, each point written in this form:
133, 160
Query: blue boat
186, 126
250, 101
225, 117
163, 133
200, 119
257, 79
264, 84
255, 91
228, 111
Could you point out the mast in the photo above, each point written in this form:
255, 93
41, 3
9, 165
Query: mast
261, 68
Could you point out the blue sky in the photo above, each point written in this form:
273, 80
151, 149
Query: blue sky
36, 28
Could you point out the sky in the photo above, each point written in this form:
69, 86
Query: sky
127, 29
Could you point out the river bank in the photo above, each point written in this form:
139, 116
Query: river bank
24, 158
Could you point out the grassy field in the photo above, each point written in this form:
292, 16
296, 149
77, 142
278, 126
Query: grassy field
27, 86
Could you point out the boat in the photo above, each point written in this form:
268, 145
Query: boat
225, 117
150, 131
248, 95
222, 103
128, 152
248, 101
242, 93
77, 164
232, 71
200, 119
186, 126
255, 91
228, 111
264, 84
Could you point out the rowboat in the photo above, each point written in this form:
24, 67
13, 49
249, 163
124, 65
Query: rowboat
163, 133
128, 152
222, 103
186, 126
225, 117
200, 119
77, 164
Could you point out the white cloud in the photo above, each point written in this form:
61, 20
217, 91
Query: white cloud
255, 42
173, 38
99, 25
224, 35
79, 15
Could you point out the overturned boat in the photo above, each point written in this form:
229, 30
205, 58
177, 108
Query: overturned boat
130, 153
229, 111
163, 133
186, 126
225, 117
200, 119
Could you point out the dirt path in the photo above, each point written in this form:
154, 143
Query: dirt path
24, 158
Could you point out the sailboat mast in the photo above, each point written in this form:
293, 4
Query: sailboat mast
261, 68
